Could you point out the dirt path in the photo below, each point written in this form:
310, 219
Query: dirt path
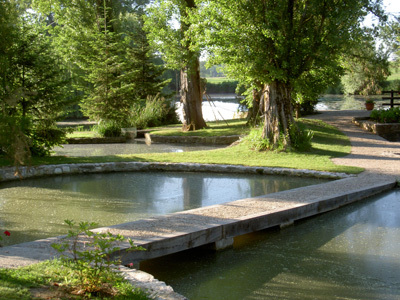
369, 151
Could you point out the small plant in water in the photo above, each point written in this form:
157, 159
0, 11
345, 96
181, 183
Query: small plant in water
88, 254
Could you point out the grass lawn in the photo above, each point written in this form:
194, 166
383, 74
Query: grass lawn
327, 143
219, 80
83, 134
55, 280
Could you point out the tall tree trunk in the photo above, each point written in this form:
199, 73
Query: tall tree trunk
191, 98
278, 113
254, 113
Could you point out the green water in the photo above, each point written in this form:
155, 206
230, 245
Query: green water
36, 208
350, 253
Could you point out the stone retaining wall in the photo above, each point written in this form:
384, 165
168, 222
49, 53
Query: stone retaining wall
97, 140
213, 140
8, 173
389, 131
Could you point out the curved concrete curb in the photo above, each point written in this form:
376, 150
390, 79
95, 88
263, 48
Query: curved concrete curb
8, 173
213, 140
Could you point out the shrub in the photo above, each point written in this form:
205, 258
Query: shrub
391, 115
255, 141
300, 137
88, 254
156, 111
108, 129
228, 86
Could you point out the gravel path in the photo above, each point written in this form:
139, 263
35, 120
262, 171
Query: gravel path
368, 151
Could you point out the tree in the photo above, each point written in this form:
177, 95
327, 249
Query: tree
276, 44
175, 46
103, 42
367, 64
32, 91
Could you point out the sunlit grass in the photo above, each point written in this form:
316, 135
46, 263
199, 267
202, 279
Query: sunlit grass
328, 143
54, 279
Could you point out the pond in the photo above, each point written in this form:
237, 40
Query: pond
132, 147
349, 253
36, 208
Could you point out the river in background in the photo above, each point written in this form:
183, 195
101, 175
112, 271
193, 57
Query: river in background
227, 106
350, 253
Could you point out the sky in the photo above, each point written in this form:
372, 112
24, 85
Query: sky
392, 6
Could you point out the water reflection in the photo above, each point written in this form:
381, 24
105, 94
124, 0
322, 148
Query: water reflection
351, 253
36, 208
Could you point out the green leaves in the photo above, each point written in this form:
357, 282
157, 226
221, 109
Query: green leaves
90, 252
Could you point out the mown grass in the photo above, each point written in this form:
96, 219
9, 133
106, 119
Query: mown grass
234, 127
83, 134
217, 80
328, 143
54, 280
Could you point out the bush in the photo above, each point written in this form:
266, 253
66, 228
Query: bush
228, 86
391, 115
89, 255
109, 129
300, 137
156, 111
391, 85
255, 141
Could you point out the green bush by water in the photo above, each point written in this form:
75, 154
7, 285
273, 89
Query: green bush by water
391, 115
156, 111
108, 129
300, 139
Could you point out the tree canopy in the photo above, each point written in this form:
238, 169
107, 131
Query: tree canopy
277, 46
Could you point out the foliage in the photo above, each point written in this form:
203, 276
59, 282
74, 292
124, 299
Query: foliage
175, 46
279, 46
32, 85
391, 115
92, 260
54, 278
107, 52
225, 86
14, 144
6, 233
367, 64
301, 137
108, 129
211, 71
155, 111
255, 141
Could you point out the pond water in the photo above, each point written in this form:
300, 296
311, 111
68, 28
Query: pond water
134, 146
349, 253
36, 208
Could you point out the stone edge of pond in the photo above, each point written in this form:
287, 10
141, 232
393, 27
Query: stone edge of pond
9, 174
203, 140
156, 289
